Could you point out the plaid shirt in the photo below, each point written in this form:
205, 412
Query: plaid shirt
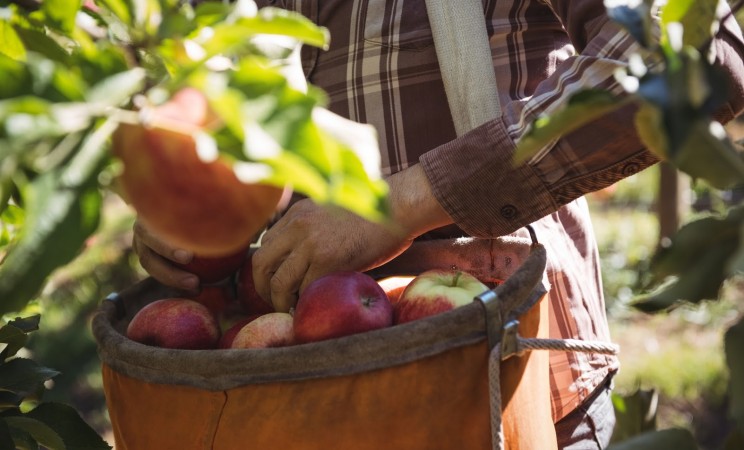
382, 69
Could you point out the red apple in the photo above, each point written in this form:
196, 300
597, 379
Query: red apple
211, 270
175, 323
436, 291
192, 201
340, 304
246, 291
269, 330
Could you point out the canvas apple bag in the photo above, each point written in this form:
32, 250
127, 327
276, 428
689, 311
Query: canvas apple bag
420, 385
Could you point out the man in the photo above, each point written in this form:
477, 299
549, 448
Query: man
382, 69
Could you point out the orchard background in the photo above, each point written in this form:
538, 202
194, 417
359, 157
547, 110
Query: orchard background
62, 214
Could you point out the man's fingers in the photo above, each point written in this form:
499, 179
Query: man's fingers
163, 270
285, 283
162, 248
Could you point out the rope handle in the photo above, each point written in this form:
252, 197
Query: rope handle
513, 344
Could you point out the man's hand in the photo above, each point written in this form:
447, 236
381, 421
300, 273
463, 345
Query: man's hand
310, 240
157, 257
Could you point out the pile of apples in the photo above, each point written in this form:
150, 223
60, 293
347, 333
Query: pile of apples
229, 313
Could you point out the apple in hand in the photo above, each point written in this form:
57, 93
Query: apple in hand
211, 270
339, 304
436, 291
269, 330
246, 291
175, 323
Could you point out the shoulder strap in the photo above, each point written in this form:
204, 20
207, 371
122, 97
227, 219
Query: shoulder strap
464, 54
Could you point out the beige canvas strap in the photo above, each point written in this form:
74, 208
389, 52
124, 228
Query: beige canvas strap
461, 42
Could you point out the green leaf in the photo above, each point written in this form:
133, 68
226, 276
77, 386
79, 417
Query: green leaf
63, 208
6, 439
67, 424
694, 239
12, 45
673, 438
23, 376
38, 41
27, 324
734, 348
283, 22
117, 89
40, 431
16, 79
15, 340
14, 334
580, 109
61, 13
696, 263
636, 413
696, 16
231, 36
702, 282
635, 19
709, 154
118, 11
23, 440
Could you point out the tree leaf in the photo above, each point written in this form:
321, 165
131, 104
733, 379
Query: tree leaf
23, 440
40, 431
701, 282
38, 41
63, 208
637, 414
709, 154
27, 324
636, 19
23, 376
690, 243
696, 16
6, 439
12, 45
580, 109
69, 426
673, 438
15, 335
15, 339
734, 350
61, 13
117, 89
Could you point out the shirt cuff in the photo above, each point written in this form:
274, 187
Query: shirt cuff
475, 181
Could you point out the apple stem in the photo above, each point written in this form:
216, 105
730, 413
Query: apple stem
456, 278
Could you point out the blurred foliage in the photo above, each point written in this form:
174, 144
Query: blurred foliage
71, 73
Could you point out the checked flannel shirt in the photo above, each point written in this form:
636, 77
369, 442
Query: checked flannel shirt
381, 69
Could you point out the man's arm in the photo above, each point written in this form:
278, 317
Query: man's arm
310, 240
473, 176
